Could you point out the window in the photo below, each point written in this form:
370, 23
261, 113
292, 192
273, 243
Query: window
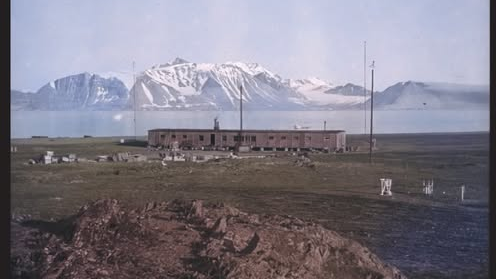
201, 137
224, 138
162, 136
271, 137
185, 136
309, 138
253, 138
243, 138
283, 137
326, 138
173, 136
296, 137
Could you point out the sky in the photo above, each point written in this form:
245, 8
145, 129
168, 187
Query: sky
422, 40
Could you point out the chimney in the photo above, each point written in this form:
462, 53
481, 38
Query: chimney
216, 124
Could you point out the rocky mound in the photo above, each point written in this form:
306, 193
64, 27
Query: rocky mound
183, 239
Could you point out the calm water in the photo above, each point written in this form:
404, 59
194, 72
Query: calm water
25, 124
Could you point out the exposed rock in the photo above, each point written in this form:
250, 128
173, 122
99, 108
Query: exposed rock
196, 209
304, 161
220, 226
179, 239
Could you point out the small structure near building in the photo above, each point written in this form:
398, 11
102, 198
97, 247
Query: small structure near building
137, 158
428, 186
386, 184
47, 159
120, 157
244, 148
72, 158
175, 146
102, 158
50, 158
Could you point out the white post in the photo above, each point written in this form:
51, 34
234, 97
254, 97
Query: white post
428, 186
389, 183
383, 185
463, 191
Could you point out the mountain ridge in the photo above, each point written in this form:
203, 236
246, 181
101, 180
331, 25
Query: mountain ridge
184, 85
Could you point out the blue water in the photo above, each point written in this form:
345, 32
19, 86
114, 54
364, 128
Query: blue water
25, 124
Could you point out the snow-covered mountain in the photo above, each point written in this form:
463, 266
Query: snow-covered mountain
20, 100
77, 92
308, 86
323, 94
430, 95
182, 85
125, 77
348, 89
199, 86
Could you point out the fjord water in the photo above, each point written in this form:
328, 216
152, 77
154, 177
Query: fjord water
24, 124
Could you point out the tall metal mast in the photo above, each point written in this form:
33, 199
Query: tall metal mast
134, 97
240, 113
371, 111
365, 86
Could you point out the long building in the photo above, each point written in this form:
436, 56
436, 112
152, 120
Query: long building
331, 140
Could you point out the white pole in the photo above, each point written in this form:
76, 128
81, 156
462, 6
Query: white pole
463, 191
383, 185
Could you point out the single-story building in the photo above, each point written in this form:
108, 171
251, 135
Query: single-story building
256, 139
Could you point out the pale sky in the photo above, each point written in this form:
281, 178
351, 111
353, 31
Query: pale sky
422, 40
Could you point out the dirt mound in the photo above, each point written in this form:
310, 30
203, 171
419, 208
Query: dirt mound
183, 239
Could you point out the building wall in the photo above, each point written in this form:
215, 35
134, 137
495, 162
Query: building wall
265, 139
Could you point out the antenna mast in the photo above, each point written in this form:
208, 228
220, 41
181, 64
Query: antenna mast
371, 110
240, 114
134, 97
365, 86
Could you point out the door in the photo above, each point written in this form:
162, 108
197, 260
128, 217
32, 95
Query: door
212, 139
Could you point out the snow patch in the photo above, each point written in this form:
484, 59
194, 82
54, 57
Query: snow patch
125, 77
117, 117
148, 94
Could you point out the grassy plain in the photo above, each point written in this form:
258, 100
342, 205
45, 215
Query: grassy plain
435, 236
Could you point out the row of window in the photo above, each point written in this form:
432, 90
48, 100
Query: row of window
243, 138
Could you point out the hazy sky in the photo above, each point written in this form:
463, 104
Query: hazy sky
434, 40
